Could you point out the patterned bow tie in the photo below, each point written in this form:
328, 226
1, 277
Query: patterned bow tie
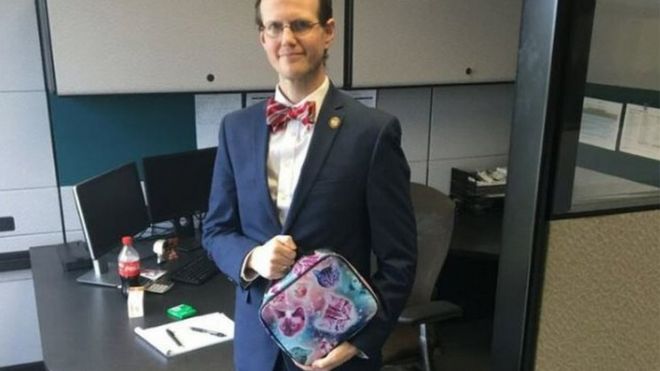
278, 114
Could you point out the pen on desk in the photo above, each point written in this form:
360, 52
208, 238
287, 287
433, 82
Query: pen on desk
210, 332
171, 334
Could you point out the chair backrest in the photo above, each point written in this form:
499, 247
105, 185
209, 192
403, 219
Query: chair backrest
434, 213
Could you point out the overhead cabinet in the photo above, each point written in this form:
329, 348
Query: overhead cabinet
141, 46
425, 42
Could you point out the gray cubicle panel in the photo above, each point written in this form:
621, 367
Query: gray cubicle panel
28, 188
28, 191
25, 145
470, 128
412, 106
21, 342
36, 214
434, 42
26, 153
471, 121
614, 41
124, 46
20, 57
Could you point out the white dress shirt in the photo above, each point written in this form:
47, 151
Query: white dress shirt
287, 150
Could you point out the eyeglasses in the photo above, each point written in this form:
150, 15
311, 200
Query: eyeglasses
298, 27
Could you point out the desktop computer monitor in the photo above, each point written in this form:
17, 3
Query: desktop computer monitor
110, 205
178, 186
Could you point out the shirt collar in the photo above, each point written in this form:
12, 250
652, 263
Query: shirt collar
317, 96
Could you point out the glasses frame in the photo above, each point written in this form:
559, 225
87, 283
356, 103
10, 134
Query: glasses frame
293, 26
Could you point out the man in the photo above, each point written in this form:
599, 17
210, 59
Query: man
330, 175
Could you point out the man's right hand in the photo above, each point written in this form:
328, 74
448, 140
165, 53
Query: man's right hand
273, 259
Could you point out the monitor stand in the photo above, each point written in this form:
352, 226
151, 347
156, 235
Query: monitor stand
103, 274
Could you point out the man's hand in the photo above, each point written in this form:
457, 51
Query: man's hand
337, 357
273, 259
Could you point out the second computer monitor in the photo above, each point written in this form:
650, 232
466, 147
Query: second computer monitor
178, 186
110, 205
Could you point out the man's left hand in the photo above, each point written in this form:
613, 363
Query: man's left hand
338, 356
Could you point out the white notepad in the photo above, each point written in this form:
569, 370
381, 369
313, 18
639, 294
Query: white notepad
189, 339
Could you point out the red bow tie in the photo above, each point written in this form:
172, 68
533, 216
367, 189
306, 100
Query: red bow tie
278, 114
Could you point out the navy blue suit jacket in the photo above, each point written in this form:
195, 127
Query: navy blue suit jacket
352, 196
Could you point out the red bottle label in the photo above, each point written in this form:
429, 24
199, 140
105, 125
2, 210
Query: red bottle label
129, 269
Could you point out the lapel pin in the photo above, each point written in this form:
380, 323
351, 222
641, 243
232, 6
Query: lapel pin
334, 122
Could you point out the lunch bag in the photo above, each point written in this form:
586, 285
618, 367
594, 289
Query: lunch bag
320, 303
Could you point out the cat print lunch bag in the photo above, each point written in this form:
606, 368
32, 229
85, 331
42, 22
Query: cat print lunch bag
320, 303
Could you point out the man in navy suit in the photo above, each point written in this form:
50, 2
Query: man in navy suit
311, 168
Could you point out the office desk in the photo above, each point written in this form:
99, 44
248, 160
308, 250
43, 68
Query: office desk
477, 235
469, 276
86, 327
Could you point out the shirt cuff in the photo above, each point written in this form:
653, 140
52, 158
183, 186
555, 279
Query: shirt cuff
361, 354
247, 274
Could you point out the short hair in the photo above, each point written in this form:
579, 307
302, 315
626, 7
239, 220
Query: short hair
325, 12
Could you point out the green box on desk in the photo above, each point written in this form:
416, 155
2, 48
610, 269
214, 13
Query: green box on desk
181, 311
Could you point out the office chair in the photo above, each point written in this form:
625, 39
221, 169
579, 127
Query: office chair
434, 213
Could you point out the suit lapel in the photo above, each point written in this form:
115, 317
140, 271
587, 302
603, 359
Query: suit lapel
261, 169
322, 141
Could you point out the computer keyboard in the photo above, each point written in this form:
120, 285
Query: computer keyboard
195, 272
189, 244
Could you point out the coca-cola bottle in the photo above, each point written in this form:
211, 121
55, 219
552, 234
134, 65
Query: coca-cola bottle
129, 265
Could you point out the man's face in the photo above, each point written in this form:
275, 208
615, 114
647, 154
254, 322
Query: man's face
296, 56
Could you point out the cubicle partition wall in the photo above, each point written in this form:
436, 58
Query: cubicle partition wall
29, 205
579, 285
600, 306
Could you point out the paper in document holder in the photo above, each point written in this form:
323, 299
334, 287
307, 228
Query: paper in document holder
190, 340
